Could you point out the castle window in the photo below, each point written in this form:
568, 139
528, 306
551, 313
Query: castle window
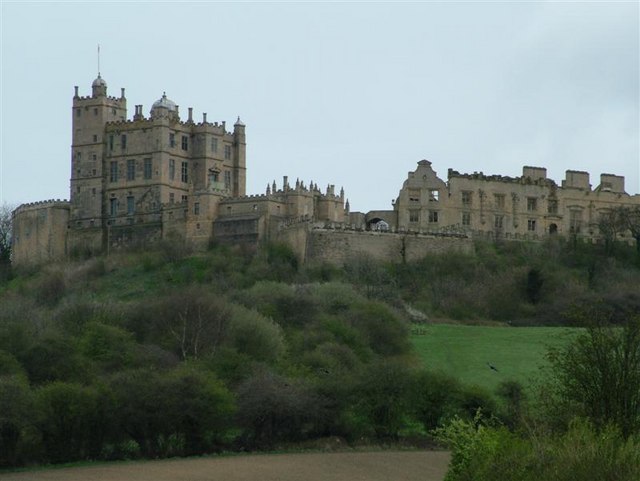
113, 207
414, 215
95, 138
466, 197
171, 198
131, 204
93, 191
94, 157
184, 199
531, 225
185, 142
172, 140
113, 111
131, 169
498, 199
575, 221
466, 218
148, 167
433, 216
123, 141
111, 142
78, 155
532, 204
172, 169
227, 179
552, 206
498, 221
434, 195
185, 172
78, 112
94, 172
113, 177
414, 195
95, 111
227, 151
196, 208
214, 144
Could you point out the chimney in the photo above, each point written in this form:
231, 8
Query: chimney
190, 114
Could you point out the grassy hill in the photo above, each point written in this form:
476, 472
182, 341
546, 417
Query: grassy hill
464, 352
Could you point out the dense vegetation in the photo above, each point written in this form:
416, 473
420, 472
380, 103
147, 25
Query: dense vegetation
162, 353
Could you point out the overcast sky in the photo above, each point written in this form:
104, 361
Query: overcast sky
352, 94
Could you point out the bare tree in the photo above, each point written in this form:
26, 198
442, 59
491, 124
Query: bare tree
5, 233
611, 224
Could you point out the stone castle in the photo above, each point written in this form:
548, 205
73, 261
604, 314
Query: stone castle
141, 180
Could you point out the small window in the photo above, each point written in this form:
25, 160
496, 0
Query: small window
227, 179
94, 157
532, 204
113, 207
111, 142
148, 168
466, 218
78, 155
434, 195
498, 199
94, 172
95, 112
531, 225
433, 216
78, 112
113, 175
131, 169
130, 205
172, 169
414, 216
498, 221
93, 191
171, 198
196, 208
552, 206
113, 111
184, 199
467, 198
185, 172
214, 144
414, 195
172, 140
227, 151
95, 138
185, 142
123, 141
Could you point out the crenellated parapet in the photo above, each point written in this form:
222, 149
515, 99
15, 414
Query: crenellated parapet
42, 204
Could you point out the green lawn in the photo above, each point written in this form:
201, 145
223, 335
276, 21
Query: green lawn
464, 351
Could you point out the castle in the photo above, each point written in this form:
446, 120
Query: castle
137, 181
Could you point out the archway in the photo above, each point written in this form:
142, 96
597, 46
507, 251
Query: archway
553, 229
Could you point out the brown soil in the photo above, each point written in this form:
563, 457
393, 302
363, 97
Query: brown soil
346, 466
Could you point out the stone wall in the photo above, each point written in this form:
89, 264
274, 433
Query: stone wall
40, 232
338, 246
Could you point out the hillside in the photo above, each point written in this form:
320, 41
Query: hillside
163, 352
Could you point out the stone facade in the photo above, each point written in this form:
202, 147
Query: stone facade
493, 206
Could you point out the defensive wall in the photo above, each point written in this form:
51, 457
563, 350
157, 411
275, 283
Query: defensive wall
337, 245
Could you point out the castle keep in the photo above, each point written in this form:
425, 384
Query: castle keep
140, 180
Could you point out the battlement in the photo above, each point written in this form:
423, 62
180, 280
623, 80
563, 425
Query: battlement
53, 203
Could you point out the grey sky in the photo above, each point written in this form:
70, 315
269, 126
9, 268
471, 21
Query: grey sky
352, 94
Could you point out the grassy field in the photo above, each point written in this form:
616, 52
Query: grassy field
465, 351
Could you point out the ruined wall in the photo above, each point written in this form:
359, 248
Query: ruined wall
338, 246
40, 232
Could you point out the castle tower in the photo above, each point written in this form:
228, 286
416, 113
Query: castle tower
88, 146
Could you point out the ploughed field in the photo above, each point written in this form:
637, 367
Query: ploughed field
466, 352
344, 466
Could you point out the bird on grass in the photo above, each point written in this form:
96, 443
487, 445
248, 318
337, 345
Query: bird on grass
492, 367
